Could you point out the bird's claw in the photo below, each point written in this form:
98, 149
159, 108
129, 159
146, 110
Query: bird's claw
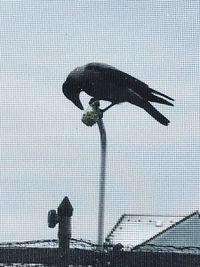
94, 102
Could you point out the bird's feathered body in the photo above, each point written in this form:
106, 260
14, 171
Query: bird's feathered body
104, 82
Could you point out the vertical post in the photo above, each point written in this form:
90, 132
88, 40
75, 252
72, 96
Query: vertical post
102, 184
64, 213
90, 118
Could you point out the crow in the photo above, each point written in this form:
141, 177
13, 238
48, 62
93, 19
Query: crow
104, 82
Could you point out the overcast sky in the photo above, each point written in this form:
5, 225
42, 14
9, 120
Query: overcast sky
48, 153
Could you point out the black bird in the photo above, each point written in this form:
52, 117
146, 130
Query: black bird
104, 82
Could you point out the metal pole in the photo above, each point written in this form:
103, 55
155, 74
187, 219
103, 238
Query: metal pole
102, 184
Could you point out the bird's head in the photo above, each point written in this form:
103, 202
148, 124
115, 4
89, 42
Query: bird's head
72, 90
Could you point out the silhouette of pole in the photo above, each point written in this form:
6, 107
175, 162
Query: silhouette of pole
102, 184
89, 118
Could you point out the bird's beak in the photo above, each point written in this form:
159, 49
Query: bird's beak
77, 102
72, 94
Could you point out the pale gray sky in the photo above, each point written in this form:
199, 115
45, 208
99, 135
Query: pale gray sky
48, 153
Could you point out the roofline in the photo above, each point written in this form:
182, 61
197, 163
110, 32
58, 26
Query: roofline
168, 228
152, 215
115, 226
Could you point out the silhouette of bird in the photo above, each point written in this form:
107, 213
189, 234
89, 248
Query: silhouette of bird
104, 82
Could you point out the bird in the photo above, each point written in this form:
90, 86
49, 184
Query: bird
105, 82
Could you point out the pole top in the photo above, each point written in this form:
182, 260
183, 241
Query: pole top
65, 208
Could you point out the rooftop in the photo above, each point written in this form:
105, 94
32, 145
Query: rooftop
182, 236
132, 230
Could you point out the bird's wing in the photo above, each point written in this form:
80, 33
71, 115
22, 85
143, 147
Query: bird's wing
122, 79
113, 75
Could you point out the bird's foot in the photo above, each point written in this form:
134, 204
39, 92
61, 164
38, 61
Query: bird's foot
94, 102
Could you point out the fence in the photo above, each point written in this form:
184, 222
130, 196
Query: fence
111, 256
51, 257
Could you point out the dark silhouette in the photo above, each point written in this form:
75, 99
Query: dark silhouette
104, 82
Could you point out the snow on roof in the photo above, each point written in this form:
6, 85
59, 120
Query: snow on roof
132, 230
74, 243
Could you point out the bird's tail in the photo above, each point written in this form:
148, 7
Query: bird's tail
157, 99
161, 94
155, 114
138, 100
